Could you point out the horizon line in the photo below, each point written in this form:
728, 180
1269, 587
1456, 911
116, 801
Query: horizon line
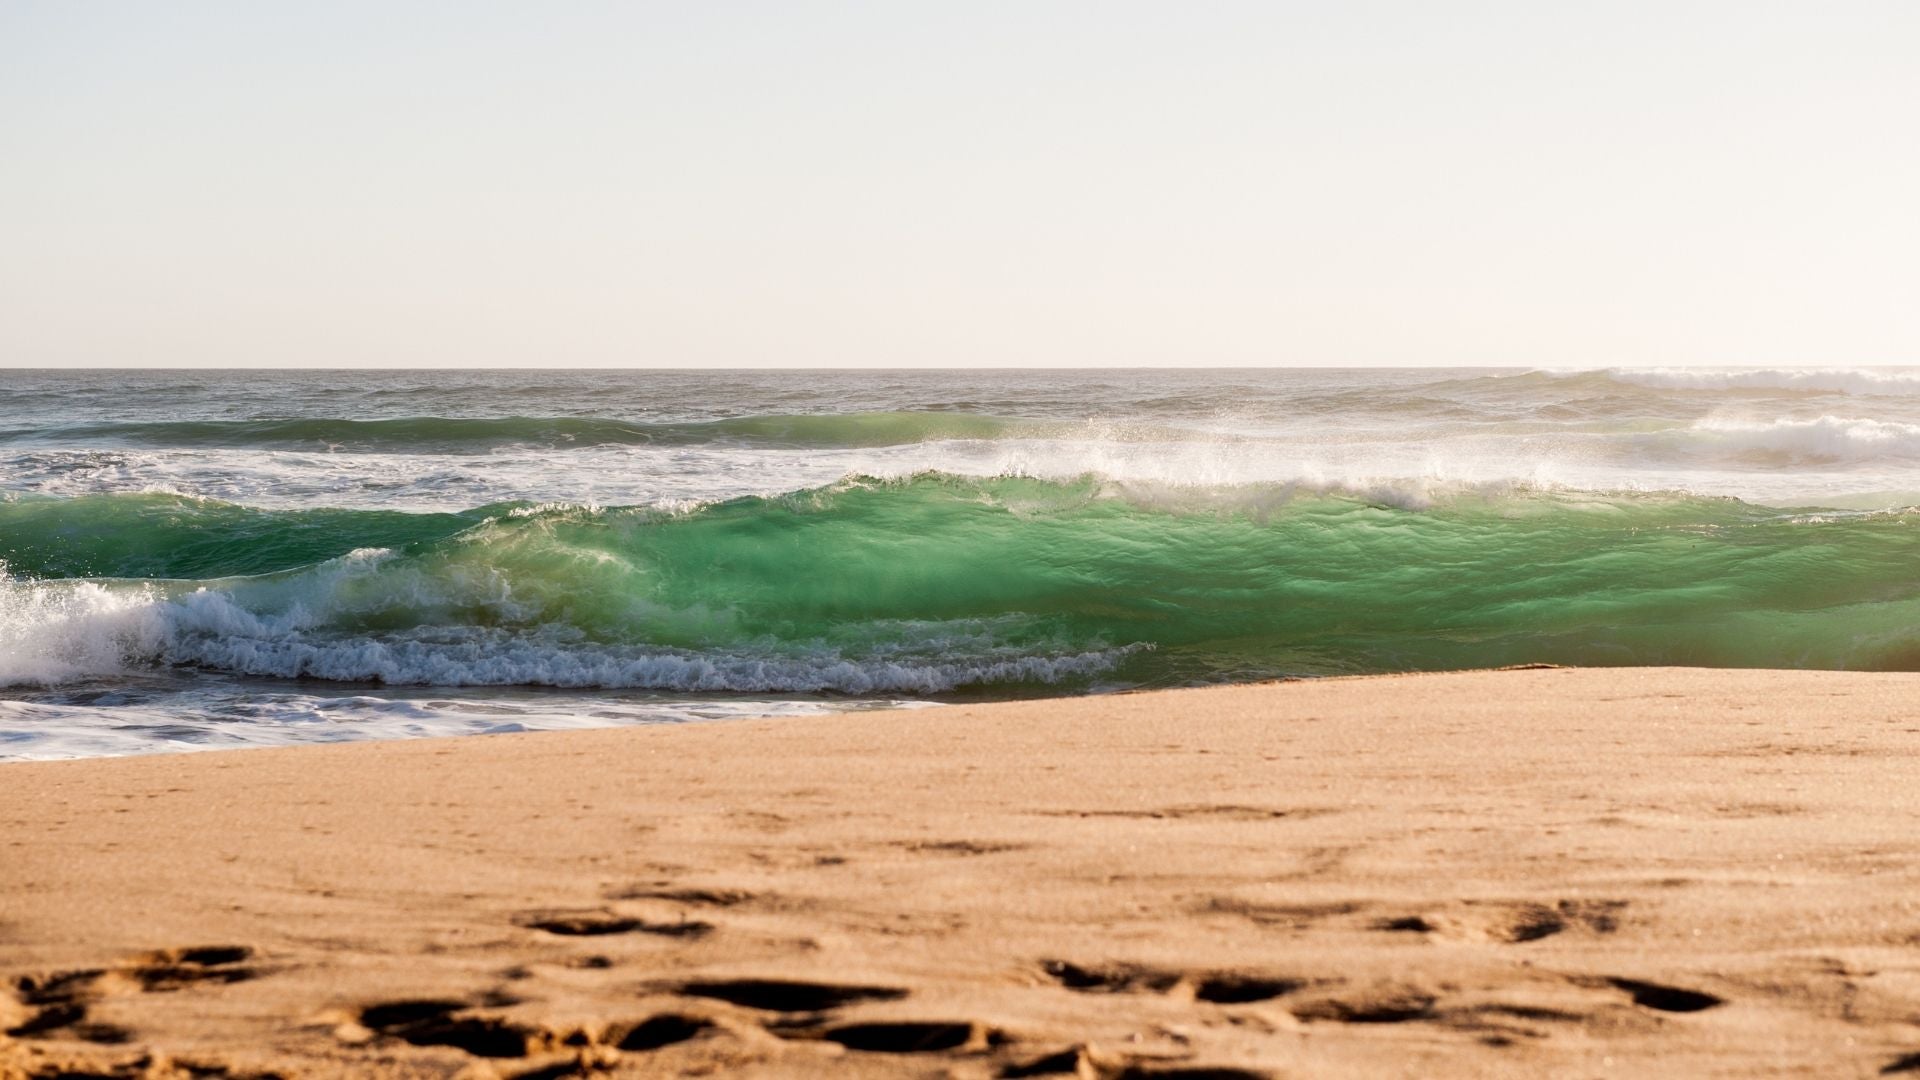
968, 368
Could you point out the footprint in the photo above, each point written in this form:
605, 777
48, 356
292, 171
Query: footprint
1499, 1023
59, 987
1519, 1012
1290, 916
597, 923
1509, 923
910, 1038
399, 1014
1219, 988
1379, 1005
1238, 989
663, 1030
959, 847
172, 969
431, 1022
50, 1018
780, 995
1116, 979
487, 1037
1526, 922
203, 955
1407, 924
440, 1022
1666, 998
1071, 1061
706, 897
58, 1002
1600, 916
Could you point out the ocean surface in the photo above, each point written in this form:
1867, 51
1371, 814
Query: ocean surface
200, 559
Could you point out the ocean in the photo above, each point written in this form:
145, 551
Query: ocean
205, 559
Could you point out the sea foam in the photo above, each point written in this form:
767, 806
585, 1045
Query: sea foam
57, 631
1816, 440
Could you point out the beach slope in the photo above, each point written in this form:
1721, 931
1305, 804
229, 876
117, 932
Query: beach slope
1558, 872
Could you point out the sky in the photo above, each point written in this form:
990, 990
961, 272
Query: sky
980, 183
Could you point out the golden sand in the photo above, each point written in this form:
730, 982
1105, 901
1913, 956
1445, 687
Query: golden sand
1641, 872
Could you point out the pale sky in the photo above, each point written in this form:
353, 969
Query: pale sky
976, 182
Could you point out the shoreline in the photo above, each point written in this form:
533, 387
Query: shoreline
1557, 871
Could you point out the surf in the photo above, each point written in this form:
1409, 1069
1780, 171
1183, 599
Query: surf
937, 583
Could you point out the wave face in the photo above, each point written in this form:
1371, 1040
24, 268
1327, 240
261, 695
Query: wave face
938, 582
158, 535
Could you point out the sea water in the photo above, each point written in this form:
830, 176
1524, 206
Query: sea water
197, 559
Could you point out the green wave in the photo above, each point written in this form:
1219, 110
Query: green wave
154, 535
1172, 585
455, 434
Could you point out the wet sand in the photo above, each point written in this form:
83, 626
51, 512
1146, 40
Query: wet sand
1559, 872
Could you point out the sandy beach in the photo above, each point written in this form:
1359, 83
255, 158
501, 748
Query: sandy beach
1553, 872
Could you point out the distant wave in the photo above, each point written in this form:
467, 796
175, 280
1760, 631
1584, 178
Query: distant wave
937, 582
1826, 380
1821, 440
455, 434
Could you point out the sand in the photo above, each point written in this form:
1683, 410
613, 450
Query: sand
1646, 872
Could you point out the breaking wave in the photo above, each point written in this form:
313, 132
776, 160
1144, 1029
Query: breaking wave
1817, 441
934, 583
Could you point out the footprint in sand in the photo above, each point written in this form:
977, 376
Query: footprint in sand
1112, 979
1665, 998
1218, 988
714, 897
57, 1004
598, 923
663, 1030
1508, 922
1083, 1061
782, 995
1387, 1004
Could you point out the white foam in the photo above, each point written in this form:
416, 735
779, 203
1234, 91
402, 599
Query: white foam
1820, 439
57, 631
503, 659
244, 715
1412, 465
